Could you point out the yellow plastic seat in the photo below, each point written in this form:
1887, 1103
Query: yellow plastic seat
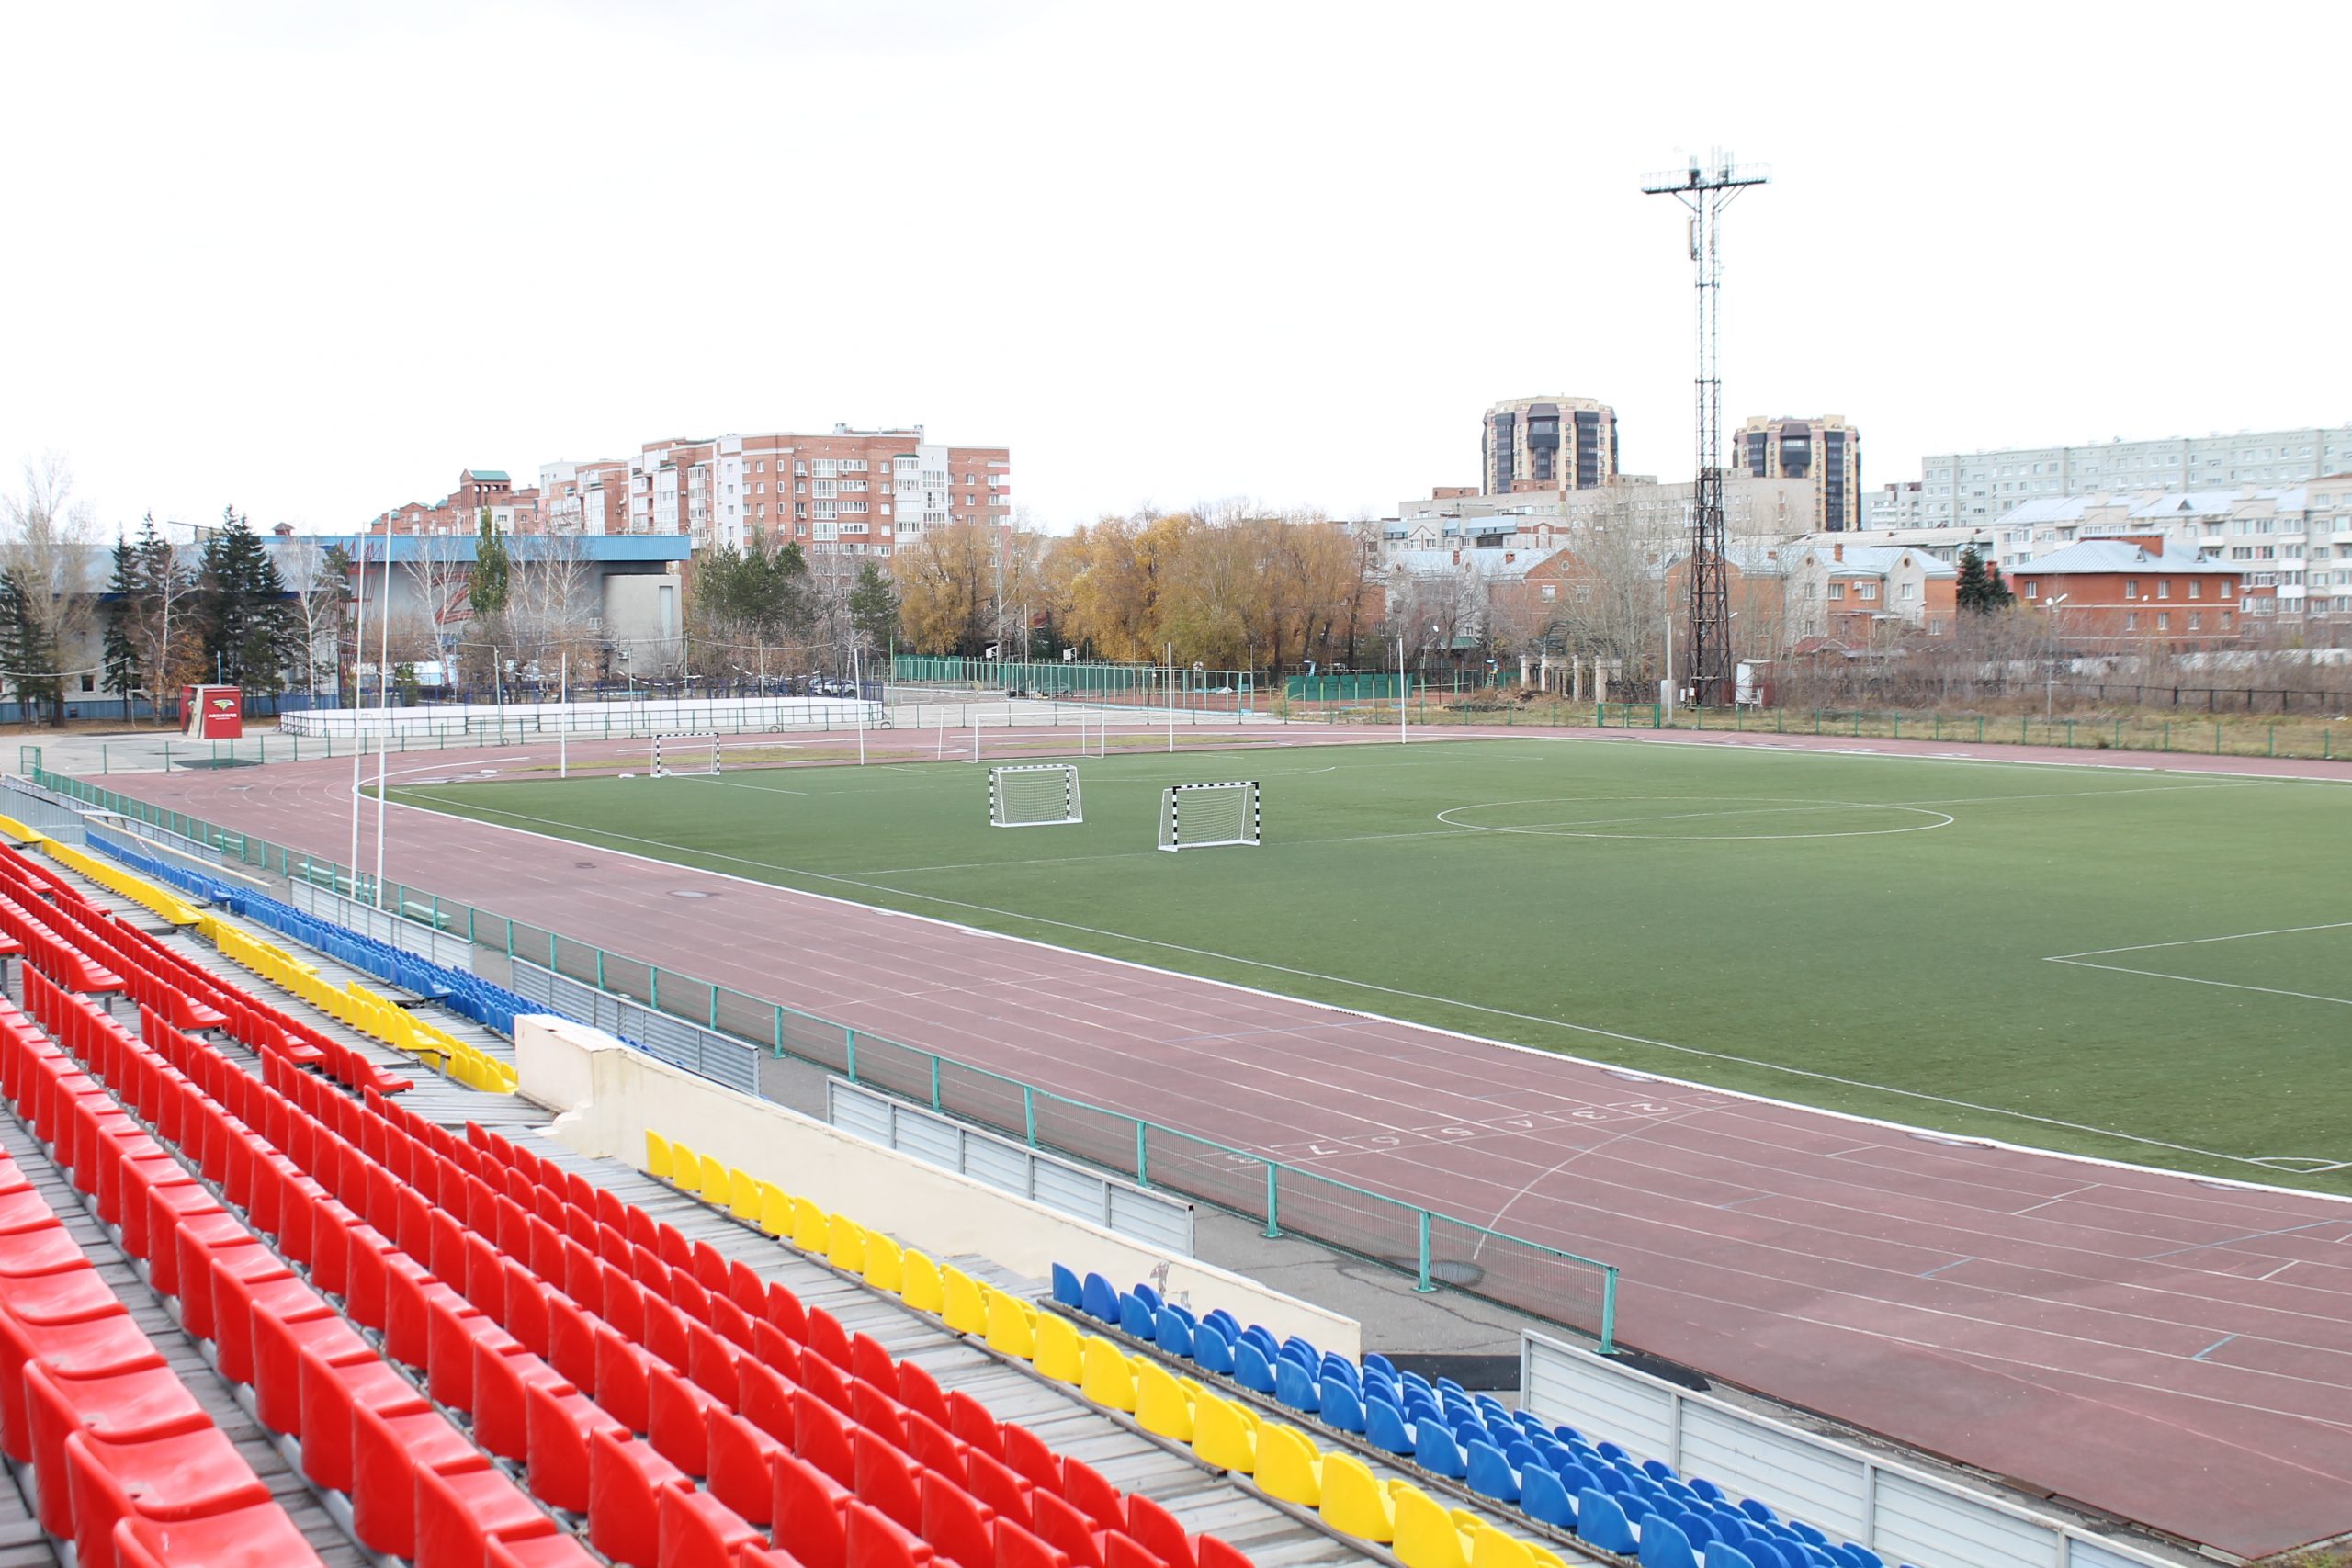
1010, 1331
775, 1210
962, 1305
1225, 1435
1289, 1466
1163, 1407
812, 1230
919, 1285
884, 1263
1109, 1376
1492, 1548
1354, 1502
1426, 1535
717, 1187
686, 1167
1061, 1354
657, 1156
845, 1243
746, 1188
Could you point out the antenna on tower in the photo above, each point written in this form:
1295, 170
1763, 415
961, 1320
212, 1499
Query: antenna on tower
1706, 190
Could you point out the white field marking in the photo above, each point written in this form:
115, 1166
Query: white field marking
2072, 1192
2198, 941
1577, 830
2195, 980
1594, 1031
737, 783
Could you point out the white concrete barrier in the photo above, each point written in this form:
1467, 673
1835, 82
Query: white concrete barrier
608, 1096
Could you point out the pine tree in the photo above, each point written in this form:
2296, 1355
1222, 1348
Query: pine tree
28, 651
120, 654
494, 575
1970, 593
250, 630
873, 607
1996, 592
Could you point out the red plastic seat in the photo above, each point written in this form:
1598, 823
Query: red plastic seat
880, 1414
187, 1476
887, 1480
626, 1480
332, 1392
821, 1436
870, 1361
674, 1420
876, 1540
935, 1450
39, 1252
621, 1387
204, 1261
1067, 1530
955, 1525
460, 1513
741, 1474
560, 1426
279, 1349
809, 1512
999, 1488
1028, 1456
90, 1348
387, 1452
70, 1295
502, 1418
828, 1338
126, 1407
971, 1423
540, 1552
1157, 1531
696, 1530
1019, 1548
259, 1537
460, 1334
763, 1397
238, 1301
1085, 1489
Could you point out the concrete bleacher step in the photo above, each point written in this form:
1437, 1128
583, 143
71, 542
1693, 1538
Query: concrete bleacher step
1271, 1534
180, 1352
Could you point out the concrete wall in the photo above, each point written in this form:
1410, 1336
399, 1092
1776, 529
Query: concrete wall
609, 1096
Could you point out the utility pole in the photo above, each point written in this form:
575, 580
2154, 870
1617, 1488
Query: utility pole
1706, 192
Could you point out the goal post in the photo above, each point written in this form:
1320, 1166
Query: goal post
685, 754
1035, 795
1204, 816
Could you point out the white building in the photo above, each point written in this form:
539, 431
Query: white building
1978, 487
1755, 511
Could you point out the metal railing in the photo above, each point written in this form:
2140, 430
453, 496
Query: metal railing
1439, 1252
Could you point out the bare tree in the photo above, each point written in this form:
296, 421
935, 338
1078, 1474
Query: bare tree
319, 579
46, 550
438, 577
549, 610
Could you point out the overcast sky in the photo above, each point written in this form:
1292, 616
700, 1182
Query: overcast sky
313, 259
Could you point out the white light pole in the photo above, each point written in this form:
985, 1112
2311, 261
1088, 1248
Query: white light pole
1401, 702
384, 730
359, 742
2050, 670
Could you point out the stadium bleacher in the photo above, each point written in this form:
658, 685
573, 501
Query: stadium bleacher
478, 1356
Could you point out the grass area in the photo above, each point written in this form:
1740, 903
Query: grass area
1873, 934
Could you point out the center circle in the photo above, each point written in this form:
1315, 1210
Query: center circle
1693, 818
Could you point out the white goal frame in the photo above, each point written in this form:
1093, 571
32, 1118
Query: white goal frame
686, 752
1000, 797
1249, 832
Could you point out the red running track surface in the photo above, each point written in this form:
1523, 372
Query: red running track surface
2175, 1351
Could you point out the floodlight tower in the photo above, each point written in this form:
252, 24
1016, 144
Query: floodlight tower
1706, 191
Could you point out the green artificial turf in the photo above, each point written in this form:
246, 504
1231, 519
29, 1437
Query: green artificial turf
1873, 934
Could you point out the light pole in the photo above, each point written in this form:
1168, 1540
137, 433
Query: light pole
2050, 670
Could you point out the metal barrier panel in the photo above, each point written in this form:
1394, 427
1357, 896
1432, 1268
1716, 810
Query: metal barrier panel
37, 807
672, 1039
1157, 1218
1904, 1515
455, 953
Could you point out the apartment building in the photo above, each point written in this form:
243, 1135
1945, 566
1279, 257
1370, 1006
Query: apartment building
852, 491
585, 498
1542, 444
1764, 511
2133, 588
1827, 450
1900, 506
477, 491
1977, 487
1850, 592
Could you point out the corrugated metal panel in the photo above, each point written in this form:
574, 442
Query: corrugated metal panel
1071, 1191
1568, 1387
1002, 1165
719, 1057
1926, 1525
2081, 1553
866, 1116
928, 1138
1824, 1487
1148, 1218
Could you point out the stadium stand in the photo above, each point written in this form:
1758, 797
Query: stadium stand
1556, 1475
476, 1353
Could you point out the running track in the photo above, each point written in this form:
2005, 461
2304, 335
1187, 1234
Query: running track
2175, 1351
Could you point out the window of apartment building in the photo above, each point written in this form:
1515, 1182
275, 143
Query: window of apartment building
2196, 589
827, 510
826, 469
2164, 588
828, 487
800, 509
2225, 620
1549, 591
2164, 620
2131, 622
853, 465
2130, 588
2196, 621
801, 468
2033, 588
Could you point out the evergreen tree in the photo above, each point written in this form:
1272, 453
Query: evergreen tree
1996, 592
120, 654
1970, 595
494, 575
28, 651
873, 607
251, 628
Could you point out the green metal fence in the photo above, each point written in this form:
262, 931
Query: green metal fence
1439, 1252
1152, 684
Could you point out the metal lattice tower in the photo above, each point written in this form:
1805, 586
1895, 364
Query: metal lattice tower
1706, 191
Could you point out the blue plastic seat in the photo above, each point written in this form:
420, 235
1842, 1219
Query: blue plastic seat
1067, 1290
1731, 1525
1680, 1491
1708, 1489
1343, 1411
1762, 1512
1250, 1368
1305, 1360
1227, 1324
1664, 1545
1812, 1536
1765, 1553
1374, 1361
1210, 1350
1385, 1428
1302, 1346
1613, 1481
1099, 1302
1660, 1469
1698, 1526
1489, 1473
1172, 1333
1601, 1522
1858, 1556
1149, 1298
1545, 1500
1446, 1385
1721, 1555
1490, 1409
1339, 1366
1569, 1435
1611, 1452
1522, 1453
1256, 1333
1295, 1388
1435, 1451
1136, 1317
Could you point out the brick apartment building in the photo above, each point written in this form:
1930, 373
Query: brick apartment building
851, 492
2130, 589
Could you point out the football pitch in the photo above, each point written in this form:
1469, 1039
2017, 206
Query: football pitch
2138, 966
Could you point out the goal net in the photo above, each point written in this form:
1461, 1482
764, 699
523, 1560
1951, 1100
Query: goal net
1203, 816
693, 752
1036, 795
